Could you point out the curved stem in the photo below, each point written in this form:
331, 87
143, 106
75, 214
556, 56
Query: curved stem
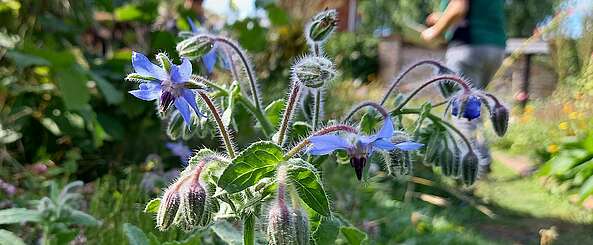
434, 118
338, 127
456, 79
224, 134
399, 77
288, 111
317, 113
364, 104
248, 69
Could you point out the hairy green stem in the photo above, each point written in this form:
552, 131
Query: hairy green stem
288, 111
248, 69
317, 104
224, 134
249, 230
399, 77
456, 79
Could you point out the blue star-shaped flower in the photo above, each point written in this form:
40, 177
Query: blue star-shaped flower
168, 87
471, 109
360, 147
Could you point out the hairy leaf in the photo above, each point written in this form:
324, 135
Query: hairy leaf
308, 185
152, 206
18, 215
135, 235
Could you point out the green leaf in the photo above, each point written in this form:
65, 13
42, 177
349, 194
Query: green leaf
587, 189
354, 235
226, 232
72, 83
135, 235
152, 206
128, 12
308, 185
9, 238
277, 15
18, 215
22, 60
327, 231
111, 94
256, 162
274, 112
82, 218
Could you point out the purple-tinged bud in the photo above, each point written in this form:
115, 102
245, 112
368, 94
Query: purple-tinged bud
168, 208
469, 168
195, 46
499, 116
313, 71
164, 61
322, 25
166, 100
193, 202
301, 223
281, 226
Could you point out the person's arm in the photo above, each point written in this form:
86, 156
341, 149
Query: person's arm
455, 12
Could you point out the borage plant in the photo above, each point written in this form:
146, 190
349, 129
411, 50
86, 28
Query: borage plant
283, 173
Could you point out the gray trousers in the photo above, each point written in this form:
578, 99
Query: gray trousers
478, 64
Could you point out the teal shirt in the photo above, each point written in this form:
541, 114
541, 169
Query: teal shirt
484, 24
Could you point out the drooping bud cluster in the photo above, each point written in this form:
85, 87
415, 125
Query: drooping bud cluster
195, 46
321, 26
400, 161
188, 202
313, 71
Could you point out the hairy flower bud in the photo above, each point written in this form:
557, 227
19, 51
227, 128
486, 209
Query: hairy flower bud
313, 71
469, 168
193, 202
168, 208
447, 162
301, 222
195, 46
400, 161
499, 116
322, 25
281, 225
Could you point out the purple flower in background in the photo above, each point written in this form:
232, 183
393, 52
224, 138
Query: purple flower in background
471, 109
167, 86
181, 150
360, 147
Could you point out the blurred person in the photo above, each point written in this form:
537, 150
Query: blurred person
474, 30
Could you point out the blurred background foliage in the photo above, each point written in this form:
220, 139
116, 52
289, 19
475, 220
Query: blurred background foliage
65, 113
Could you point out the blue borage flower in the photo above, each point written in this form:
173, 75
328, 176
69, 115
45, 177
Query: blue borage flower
359, 147
471, 107
167, 86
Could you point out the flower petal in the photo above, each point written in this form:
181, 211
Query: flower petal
209, 60
144, 67
409, 146
193, 27
325, 144
147, 91
183, 108
383, 144
387, 129
175, 75
185, 69
190, 98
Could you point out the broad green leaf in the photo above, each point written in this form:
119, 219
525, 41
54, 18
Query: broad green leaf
82, 218
72, 83
135, 235
587, 189
274, 112
193, 239
128, 12
9, 238
327, 231
354, 235
308, 185
18, 215
567, 159
256, 162
152, 206
226, 232
111, 94
22, 60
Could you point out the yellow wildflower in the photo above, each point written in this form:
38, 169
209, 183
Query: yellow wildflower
563, 125
552, 148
